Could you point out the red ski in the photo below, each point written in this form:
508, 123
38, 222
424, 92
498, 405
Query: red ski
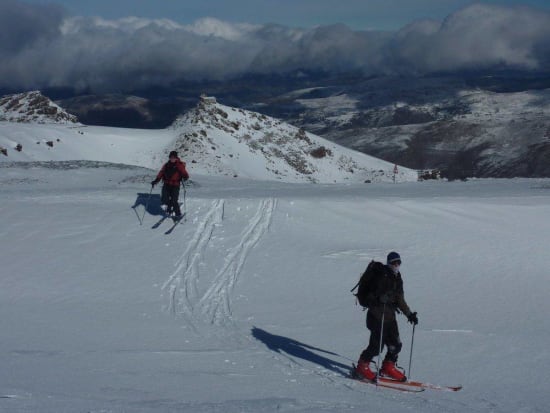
419, 384
392, 384
388, 384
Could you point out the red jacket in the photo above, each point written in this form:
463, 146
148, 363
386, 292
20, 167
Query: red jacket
172, 173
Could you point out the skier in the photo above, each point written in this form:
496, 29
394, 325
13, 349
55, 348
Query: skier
171, 173
385, 299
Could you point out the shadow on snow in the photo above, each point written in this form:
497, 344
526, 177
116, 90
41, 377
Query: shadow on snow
296, 349
151, 203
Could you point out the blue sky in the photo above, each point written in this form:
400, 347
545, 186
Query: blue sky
357, 14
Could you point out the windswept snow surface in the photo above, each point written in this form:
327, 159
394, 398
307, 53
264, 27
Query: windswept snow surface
245, 307
141, 147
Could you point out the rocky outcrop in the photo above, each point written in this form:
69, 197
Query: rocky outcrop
33, 107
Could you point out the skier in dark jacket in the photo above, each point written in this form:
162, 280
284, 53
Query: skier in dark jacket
385, 299
172, 173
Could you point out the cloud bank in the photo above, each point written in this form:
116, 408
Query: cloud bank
41, 46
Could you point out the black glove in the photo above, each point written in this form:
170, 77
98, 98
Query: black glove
413, 318
154, 182
185, 179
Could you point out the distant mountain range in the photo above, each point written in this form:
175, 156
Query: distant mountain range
479, 124
435, 123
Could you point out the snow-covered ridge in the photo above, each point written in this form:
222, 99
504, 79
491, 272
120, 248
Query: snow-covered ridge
213, 139
33, 107
218, 139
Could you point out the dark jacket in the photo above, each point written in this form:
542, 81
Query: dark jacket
387, 286
172, 173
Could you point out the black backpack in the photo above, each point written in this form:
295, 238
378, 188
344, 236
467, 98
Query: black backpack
366, 285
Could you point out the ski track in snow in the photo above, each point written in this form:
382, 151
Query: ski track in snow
182, 284
216, 302
214, 306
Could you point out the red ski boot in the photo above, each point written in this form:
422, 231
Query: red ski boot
389, 370
363, 370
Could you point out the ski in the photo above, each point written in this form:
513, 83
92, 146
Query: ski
404, 385
176, 222
419, 384
159, 222
169, 230
394, 385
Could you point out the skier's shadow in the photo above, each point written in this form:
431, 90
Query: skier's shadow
295, 349
149, 201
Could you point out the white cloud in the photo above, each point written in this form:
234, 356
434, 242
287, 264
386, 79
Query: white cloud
210, 26
45, 48
480, 36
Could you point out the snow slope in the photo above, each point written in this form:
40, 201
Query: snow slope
245, 307
229, 141
213, 139
140, 147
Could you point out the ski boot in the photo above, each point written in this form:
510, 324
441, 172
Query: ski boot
389, 370
363, 370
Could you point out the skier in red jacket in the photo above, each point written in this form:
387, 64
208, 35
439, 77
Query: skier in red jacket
172, 173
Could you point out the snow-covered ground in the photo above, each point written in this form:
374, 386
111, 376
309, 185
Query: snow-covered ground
216, 139
54, 142
245, 307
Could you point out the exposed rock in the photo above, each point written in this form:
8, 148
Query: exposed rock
33, 107
216, 136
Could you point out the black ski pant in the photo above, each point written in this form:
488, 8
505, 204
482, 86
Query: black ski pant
390, 338
169, 197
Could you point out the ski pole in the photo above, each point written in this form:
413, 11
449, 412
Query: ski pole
411, 353
381, 342
146, 205
184, 196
